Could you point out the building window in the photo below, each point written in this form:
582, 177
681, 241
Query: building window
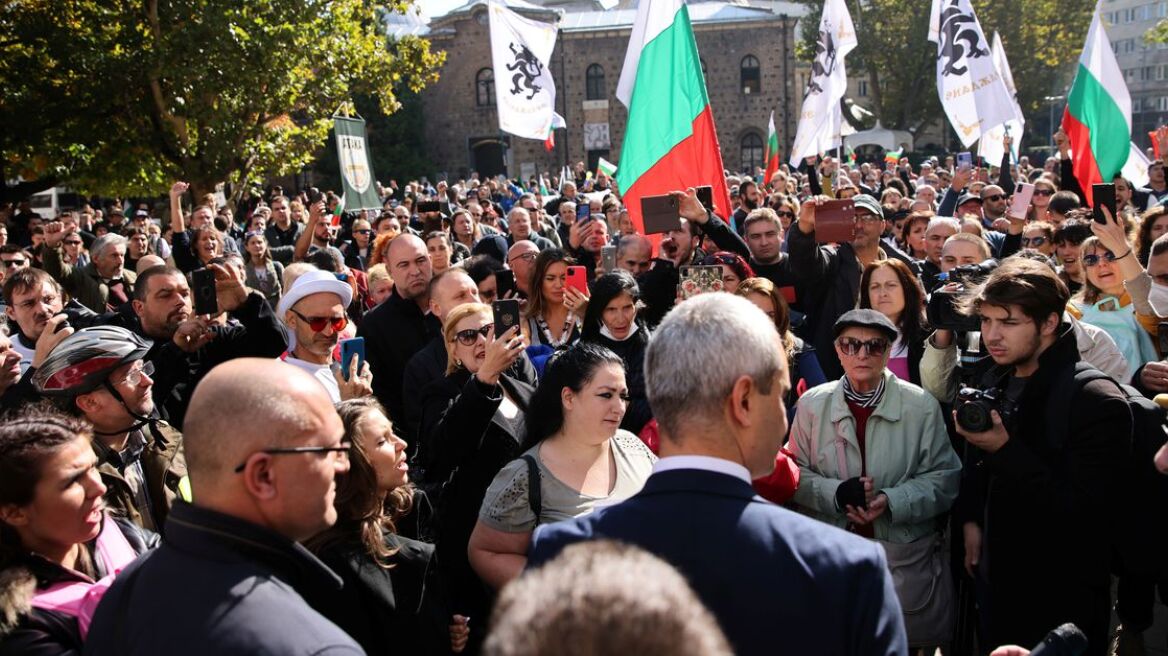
862, 88
485, 88
594, 83
752, 152
751, 75
703, 62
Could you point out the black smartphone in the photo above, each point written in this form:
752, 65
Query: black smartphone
706, 197
506, 315
608, 258
1104, 196
504, 283
660, 214
314, 196
583, 210
203, 290
349, 348
428, 206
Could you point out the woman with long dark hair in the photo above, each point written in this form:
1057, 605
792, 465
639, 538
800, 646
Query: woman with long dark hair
386, 604
263, 273
550, 320
56, 539
612, 321
575, 458
890, 287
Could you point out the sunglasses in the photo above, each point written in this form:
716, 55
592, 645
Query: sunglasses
993, 199
14, 263
1044, 192
363, 232
318, 324
1093, 259
72, 242
469, 336
1033, 241
852, 346
788, 214
342, 451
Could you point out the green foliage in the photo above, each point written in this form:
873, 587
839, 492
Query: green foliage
1159, 33
124, 96
1042, 39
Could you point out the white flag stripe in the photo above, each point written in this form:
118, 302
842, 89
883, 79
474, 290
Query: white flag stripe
821, 120
653, 18
990, 146
972, 91
1136, 169
525, 93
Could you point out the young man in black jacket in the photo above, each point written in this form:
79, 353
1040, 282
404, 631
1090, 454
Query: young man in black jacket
1039, 505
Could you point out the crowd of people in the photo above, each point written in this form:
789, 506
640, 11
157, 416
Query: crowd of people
278, 427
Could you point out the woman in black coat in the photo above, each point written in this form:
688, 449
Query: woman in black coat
890, 287
612, 321
392, 600
472, 425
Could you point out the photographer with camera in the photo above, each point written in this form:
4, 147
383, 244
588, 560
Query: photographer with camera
1043, 502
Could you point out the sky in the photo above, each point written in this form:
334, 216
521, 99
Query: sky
435, 8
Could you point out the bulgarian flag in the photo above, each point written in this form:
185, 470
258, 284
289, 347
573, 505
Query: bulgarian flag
335, 219
670, 142
851, 155
606, 167
772, 151
1098, 115
893, 156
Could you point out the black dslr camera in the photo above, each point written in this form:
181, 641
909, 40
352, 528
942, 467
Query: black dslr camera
973, 407
942, 308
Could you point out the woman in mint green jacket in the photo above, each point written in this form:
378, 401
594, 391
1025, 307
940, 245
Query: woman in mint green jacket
872, 450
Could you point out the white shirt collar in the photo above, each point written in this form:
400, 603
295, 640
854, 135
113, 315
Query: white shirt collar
705, 463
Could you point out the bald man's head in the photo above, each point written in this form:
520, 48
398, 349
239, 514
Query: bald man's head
246, 405
409, 266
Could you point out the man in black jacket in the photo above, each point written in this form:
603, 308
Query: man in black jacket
231, 577
1043, 502
401, 326
831, 275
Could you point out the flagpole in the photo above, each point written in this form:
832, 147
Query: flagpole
564, 96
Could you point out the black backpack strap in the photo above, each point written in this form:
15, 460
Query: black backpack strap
534, 491
1062, 395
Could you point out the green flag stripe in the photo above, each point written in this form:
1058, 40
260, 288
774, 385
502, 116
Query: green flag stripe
1092, 106
668, 95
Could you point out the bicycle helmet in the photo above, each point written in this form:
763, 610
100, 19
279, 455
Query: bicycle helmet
84, 360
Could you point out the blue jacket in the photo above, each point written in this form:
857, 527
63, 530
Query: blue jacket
778, 582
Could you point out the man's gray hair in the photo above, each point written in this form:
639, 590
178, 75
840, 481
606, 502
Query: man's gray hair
938, 221
105, 241
633, 240
702, 347
517, 209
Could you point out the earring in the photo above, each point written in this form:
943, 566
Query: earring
457, 362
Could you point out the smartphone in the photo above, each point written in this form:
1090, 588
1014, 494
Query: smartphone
578, 279
706, 197
1104, 196
349, 348
583, 210
203, 288
1023, 192
660, 214
504, 283
608, 258
506, 315
965, 160
343, 277
428, 206
699, 280
835, 222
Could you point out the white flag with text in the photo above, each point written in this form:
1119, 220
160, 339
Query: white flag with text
525, 94
821, 120
972, 91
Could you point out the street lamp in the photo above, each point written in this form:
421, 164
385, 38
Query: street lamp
1052, 100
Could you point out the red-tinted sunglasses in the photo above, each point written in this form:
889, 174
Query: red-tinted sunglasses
318, 324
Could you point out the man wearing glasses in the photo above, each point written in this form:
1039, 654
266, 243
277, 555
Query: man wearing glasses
99, 374
12, 259
32, 297
313, 309
831, 274
263, 465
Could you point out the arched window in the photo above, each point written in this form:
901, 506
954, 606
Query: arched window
751, 75
485, 88
752, 151
594, 83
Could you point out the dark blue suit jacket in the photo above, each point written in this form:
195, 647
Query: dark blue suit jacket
778, 582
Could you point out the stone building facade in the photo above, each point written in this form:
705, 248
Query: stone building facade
747, 53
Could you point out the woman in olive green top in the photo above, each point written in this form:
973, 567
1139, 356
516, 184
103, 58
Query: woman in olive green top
582, 459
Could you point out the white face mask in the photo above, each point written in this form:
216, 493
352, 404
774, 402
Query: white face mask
1158, 297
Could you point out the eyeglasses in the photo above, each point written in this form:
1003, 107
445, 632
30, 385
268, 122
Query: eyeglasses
526, 257
852, 346
868, 219
72, 242
469, 336
993, 199
135, 375
342, 451
362, 232
786, 213
18, 262
1093, 259
47, 299
318, 324
1033, 241
1044, 192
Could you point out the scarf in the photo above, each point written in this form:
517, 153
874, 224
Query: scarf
863, 399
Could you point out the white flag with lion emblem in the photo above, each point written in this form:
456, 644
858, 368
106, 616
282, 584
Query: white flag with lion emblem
972, 90
525, 94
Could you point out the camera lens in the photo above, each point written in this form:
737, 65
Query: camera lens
974, 416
